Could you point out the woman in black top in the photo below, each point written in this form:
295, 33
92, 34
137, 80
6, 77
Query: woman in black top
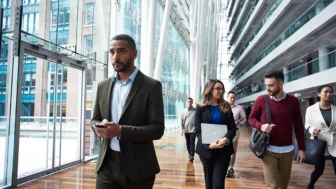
215, 157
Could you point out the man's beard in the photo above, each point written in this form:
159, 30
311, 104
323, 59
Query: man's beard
275, 92
124, 67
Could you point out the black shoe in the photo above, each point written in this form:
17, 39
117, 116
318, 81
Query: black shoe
191, 159
230, 172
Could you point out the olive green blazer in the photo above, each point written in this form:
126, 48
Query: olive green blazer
141, 121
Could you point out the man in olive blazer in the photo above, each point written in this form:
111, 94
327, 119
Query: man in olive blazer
140, 122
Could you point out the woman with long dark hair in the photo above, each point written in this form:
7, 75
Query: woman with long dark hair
215, 157
321, 118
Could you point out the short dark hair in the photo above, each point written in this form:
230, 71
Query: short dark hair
189, 98
124, 37
277, 74
231, 92
319, 90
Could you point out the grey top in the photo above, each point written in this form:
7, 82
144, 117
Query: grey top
326, 116
188, 120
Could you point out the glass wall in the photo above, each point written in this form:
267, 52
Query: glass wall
6, 135
49, 136
175, 73
69, 29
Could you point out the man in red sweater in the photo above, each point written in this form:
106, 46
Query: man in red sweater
285, 115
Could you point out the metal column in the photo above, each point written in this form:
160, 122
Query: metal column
16, 70
1, 18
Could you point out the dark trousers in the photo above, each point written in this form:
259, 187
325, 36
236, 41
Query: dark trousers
190, 142
215, 170
319, 169
112, 175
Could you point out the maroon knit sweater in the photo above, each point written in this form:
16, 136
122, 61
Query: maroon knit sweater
285, 114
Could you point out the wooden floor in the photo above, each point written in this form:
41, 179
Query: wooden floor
177, 172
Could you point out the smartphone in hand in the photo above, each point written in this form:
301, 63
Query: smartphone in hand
99, 126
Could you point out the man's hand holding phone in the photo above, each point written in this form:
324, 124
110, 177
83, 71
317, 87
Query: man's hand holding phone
107, 129
100, 126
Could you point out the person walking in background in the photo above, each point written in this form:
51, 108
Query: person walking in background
215, 157
321, 121
285, 114
240, 118
129, 108
188, 128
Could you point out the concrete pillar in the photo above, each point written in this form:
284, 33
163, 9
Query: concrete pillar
202, 15
210, 44
193, 34
113, 31
144, 41
323, 58
163, 35
287, 75
148, 66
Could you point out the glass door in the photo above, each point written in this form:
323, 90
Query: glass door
68, 122
36, 123
51, 120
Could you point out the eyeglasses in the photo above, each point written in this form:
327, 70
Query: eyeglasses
189, 101
219, 89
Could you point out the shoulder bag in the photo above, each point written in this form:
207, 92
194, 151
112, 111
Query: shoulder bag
259, 139
314, 150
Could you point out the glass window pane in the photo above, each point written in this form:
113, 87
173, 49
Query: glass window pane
6, 135
88, 45
25, 22
89, 13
